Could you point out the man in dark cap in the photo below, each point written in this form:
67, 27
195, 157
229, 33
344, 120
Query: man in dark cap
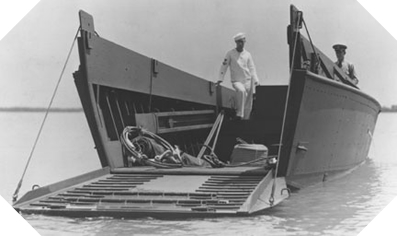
344, 65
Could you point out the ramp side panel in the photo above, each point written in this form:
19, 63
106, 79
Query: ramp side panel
266, 196
262, 196
115, 66
259, 190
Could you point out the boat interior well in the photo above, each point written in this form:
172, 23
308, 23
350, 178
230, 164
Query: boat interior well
195, 128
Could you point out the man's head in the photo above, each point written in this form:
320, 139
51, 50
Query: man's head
239, 39
340, 51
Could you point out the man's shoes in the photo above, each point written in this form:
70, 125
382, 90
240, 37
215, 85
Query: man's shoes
238, 118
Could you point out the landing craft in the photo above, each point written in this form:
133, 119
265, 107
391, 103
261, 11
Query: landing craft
176, 151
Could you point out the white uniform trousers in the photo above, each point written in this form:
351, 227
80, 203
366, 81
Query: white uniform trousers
244, 95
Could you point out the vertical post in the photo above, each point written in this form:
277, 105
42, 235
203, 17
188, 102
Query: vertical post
112, 116
218, 98
294, 40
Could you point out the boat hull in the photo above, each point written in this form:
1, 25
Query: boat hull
328, 130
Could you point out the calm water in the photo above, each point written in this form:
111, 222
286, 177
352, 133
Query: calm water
342, 206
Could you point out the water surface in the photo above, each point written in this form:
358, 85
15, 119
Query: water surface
342, 206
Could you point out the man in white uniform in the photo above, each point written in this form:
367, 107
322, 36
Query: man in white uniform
343, 64
242, 74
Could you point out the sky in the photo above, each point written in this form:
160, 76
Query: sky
192, 36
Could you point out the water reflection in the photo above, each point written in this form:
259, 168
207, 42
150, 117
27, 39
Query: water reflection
340, 206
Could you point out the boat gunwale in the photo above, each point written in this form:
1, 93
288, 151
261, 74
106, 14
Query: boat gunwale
340, 85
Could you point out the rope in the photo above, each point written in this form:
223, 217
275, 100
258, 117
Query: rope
15, 195
311, 42
250, 162
136, 150
271, 200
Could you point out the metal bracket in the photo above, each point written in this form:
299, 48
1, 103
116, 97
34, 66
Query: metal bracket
301, 147
286, 189
155, 67
211, 87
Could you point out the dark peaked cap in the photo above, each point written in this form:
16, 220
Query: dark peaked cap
338, 47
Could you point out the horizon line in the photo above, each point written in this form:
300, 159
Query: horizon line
41, 109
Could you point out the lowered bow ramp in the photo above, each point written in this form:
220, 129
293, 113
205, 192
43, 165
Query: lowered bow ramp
161, 195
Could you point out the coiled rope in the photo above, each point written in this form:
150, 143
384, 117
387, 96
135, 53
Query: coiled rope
15, 195
137, 141
133, 139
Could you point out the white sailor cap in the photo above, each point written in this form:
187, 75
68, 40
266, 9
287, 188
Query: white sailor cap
239, 36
